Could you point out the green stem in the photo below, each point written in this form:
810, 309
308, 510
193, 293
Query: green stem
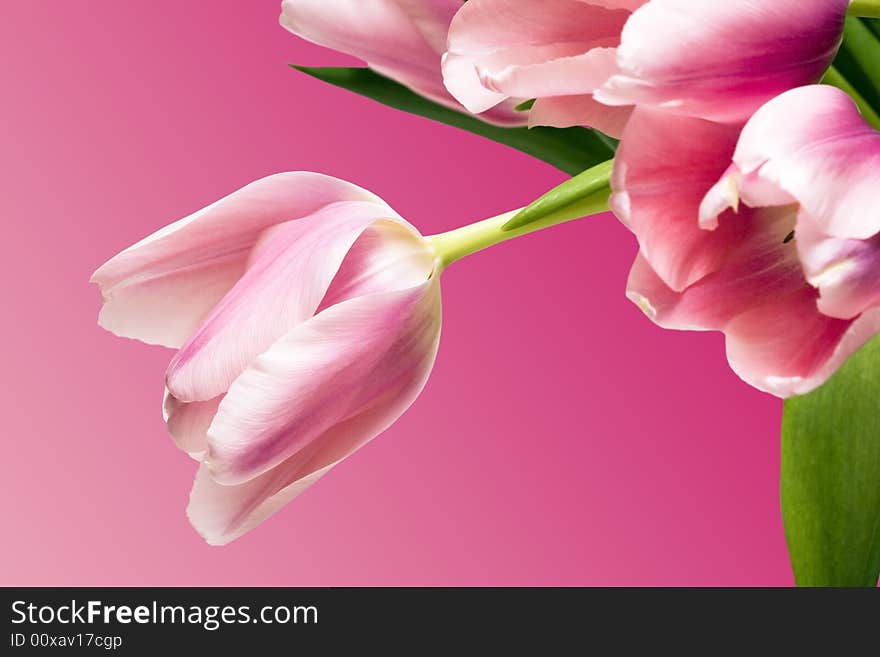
865, 8
464, 241
835, 79
582, 196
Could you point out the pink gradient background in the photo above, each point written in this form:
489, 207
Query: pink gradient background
562, 438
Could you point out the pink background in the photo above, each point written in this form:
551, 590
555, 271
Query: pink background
562, 439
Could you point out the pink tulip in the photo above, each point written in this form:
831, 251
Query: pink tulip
401, 39
779, 251
307, 316
590, 61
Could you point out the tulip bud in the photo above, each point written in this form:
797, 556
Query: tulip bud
307, 316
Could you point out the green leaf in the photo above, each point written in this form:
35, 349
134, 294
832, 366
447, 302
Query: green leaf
831, 476
857, 60
571, 150
587, 193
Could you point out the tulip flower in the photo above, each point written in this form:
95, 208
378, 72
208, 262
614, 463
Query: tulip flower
306, 313
778, 250
306, 317
590, 61
400, 39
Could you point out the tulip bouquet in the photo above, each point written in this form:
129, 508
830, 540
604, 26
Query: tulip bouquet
738, 141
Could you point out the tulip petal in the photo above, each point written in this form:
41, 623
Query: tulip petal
221, 514
160, 289
287, 276
662, 170
387, 256
845, 271
503, 48
188, 423
462, 79
722, 60
548, 70
736, 188
367, 351
777, 340
568, 111
813, 144
485, 26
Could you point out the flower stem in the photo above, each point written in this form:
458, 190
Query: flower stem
864, 8
464, 241
835, 79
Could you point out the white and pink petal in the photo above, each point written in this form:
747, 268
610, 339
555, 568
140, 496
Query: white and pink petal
845, 271
518, 48
664, 166
188, 423
160, 289
568, 111
722, 60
